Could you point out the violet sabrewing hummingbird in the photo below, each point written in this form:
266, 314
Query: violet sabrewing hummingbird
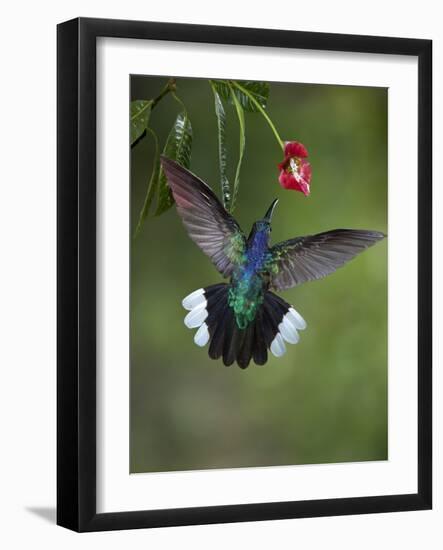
243, 318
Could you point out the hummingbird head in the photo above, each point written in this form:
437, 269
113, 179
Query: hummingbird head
263, 226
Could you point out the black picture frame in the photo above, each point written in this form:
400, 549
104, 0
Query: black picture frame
76, 266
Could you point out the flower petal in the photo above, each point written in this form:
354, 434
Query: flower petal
287, 180
295, 149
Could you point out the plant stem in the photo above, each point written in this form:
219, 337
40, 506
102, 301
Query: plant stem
151, 186
180, 102
241, 121
262, 111
170, 87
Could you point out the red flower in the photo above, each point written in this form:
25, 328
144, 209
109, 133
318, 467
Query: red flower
295, 170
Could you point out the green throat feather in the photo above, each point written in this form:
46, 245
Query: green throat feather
245, 297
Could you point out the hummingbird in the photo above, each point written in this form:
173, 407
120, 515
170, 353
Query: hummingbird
243, 318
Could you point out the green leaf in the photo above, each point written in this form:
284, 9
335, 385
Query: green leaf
222, 88
239, 86
251, 94
222, 153
241, 121
152, 185
140, 113
178, 147
257, 90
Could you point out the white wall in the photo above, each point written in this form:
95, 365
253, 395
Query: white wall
27, 217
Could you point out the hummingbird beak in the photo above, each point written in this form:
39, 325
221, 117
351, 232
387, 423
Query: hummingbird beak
268, 215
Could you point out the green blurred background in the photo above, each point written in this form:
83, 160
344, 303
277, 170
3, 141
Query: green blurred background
326, 399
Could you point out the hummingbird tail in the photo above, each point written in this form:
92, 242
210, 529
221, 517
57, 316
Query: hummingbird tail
281, 323
275, 322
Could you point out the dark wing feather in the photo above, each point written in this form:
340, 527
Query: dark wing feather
312, 257
208, 224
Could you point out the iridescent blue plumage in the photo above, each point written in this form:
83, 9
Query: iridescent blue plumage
248, 283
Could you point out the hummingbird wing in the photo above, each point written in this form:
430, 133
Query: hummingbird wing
312, 257
208, 224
